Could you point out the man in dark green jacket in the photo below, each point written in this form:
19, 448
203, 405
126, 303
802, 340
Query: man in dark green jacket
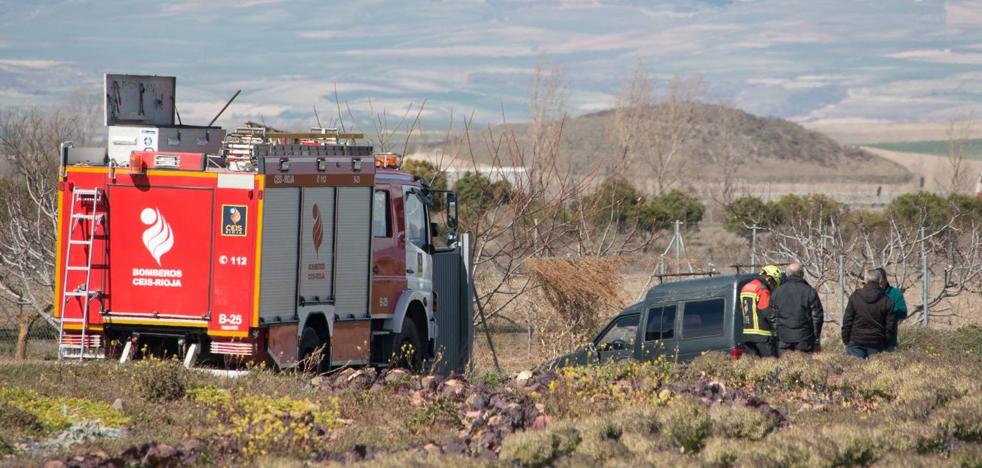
896, 296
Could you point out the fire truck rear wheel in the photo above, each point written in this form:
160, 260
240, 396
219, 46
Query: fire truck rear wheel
310, 342
409, 348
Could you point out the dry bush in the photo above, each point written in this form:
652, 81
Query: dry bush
580, 292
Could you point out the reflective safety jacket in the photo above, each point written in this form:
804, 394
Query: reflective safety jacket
755, 297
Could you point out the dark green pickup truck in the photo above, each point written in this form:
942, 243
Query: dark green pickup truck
681, 320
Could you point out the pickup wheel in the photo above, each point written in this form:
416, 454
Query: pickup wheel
315, 352
409, 347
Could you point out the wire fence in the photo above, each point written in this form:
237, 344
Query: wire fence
41, 340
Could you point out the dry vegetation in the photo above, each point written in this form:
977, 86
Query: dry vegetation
918, 406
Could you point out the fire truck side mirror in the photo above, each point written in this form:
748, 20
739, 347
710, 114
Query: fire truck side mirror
452, 211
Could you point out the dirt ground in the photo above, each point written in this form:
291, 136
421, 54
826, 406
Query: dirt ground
918, 406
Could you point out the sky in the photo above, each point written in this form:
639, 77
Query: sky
809, 61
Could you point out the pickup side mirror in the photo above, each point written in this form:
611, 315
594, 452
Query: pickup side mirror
452, 211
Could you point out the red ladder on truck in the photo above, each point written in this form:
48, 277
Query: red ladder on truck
84, 345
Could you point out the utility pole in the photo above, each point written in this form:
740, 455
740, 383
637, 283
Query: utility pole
842, 288
678, 246
925, 276
753, 246
753, 242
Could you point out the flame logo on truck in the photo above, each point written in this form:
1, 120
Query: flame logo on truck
158, 238
318, 231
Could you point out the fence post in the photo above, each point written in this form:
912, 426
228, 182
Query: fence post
753, 246
925, 276
842, 288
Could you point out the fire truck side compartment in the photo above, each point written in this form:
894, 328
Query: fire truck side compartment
277, 297
317, 246
354, 236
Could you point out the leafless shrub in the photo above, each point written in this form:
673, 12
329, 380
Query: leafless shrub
581, 292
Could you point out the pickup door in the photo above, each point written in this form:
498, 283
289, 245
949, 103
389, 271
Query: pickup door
659, 332
617, 341
704, 327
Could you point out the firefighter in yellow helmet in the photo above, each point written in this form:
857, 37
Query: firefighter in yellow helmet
758, 320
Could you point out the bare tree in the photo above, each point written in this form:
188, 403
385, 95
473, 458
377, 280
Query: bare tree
725, 156
957, 139
652, 133
29, 142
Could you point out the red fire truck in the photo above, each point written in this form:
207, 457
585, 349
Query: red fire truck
259, 245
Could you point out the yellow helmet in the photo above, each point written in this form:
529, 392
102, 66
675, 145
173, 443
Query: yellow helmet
772, 272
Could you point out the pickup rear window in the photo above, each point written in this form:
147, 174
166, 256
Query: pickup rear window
702, 319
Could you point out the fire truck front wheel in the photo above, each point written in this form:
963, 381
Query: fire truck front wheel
409, 347
315, 351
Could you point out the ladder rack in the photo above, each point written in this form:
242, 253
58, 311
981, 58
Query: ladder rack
243, 147
84, 346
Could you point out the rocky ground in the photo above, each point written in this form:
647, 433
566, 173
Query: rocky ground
916, 407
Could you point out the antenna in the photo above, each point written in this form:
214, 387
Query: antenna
317, 117
226, 107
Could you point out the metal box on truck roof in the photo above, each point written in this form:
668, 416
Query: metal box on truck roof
125, 139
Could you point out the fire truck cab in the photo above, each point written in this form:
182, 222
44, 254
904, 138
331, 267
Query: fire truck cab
255, 244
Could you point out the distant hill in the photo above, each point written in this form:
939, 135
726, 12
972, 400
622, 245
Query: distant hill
769, 150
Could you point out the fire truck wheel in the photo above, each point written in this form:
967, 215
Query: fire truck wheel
409, 349
311, 342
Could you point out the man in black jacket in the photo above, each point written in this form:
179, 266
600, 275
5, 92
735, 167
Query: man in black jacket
868, 325
799, 313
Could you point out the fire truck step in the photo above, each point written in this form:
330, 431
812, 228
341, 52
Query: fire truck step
77, 268
87, 217
80, 293
86, 192
80, 242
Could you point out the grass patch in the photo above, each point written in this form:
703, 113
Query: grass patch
57, 413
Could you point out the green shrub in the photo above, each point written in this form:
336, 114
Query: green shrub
18, 420
568, 437
963, 341
666, 458
159, 380
5, 447
58, 413
427, 172
530, 448
906, 460
741, 422
747, 211
437, 411
916, 436
686, 424
962, 419
662, 211
966, 455
721, 452
477, 194
855, 447
920, 208
710, 365
640, 420
600, 440
638, 443
818, 208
